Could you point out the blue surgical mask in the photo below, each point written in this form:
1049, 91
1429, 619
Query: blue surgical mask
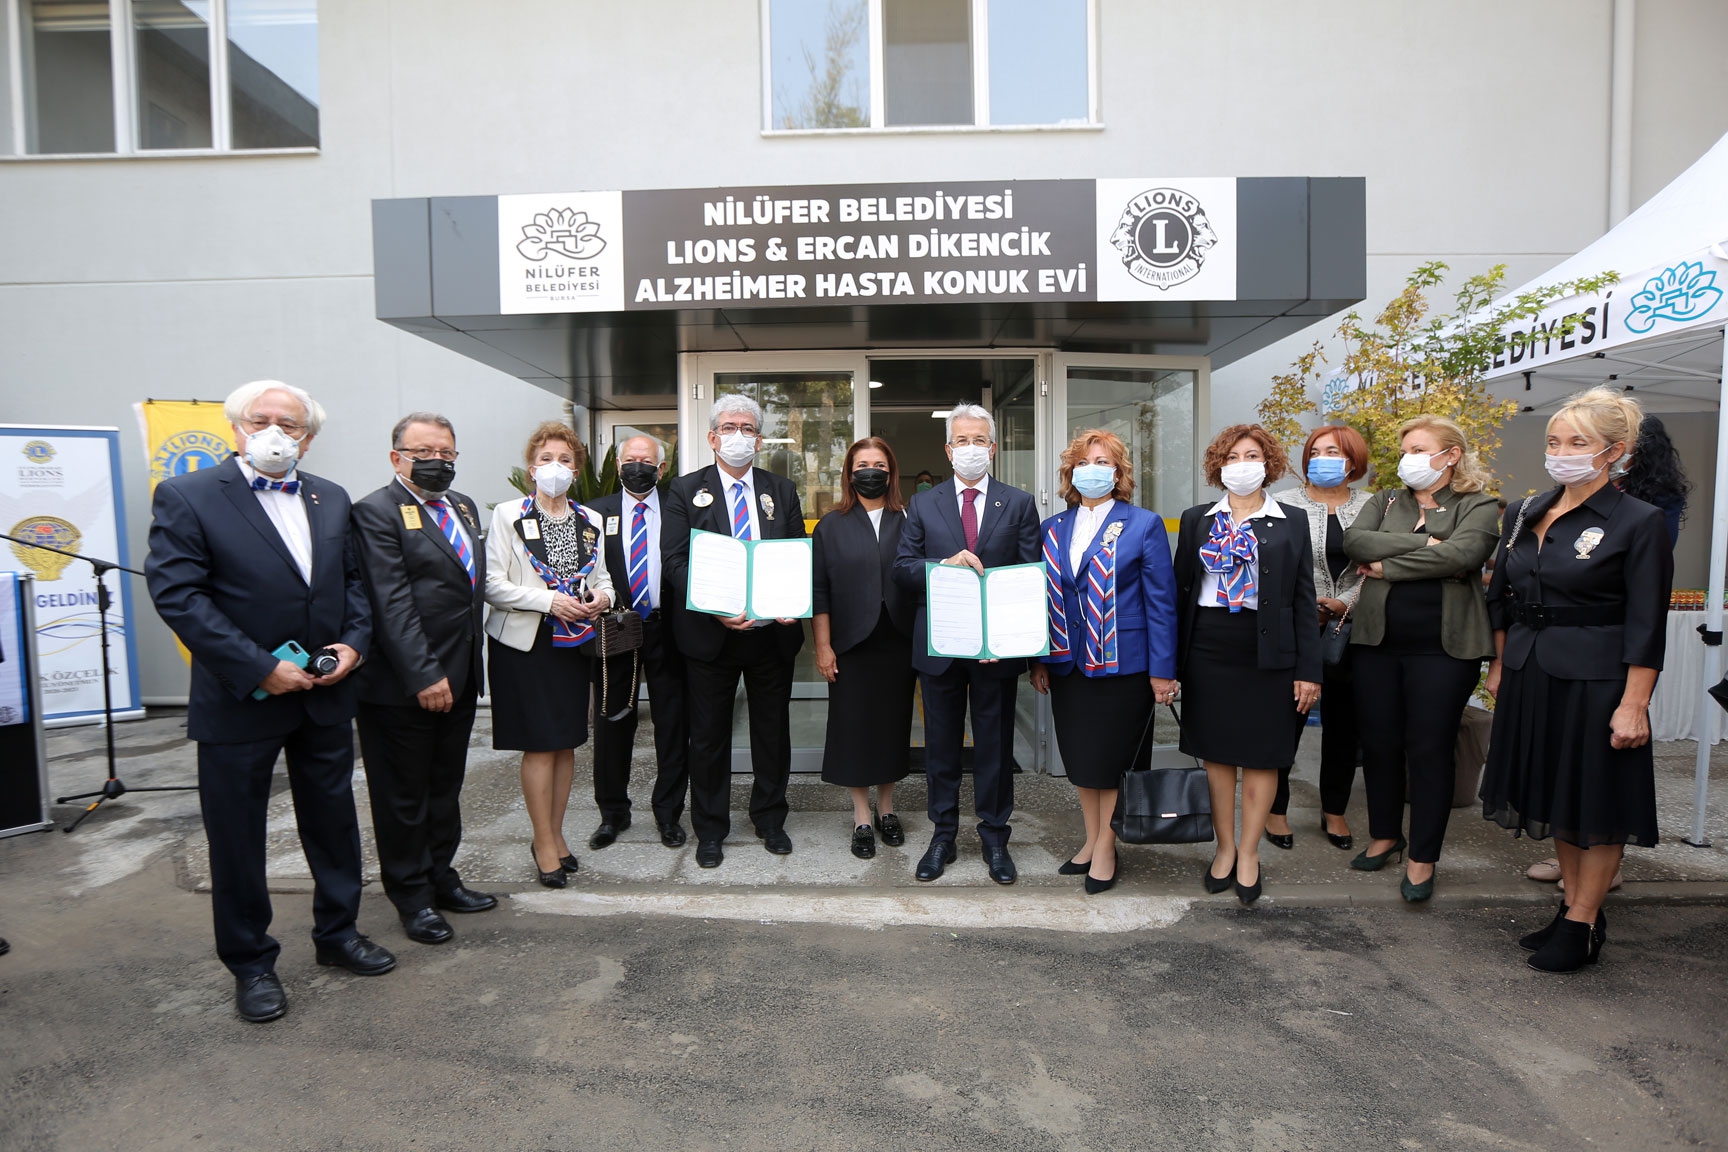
1327, 471
1094, 480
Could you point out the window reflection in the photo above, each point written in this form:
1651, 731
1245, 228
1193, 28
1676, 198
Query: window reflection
806, 428
68, 77
273, 73
927, 61
172, 61
1038, 62
821, 63
1152, 410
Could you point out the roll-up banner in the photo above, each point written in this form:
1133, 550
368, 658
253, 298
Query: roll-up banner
954, 242
60, 486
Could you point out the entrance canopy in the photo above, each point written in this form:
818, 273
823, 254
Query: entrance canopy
593, 295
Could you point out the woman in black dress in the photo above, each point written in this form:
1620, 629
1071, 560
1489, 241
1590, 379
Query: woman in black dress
1248, 654
545, 582
1578, 603
863, 629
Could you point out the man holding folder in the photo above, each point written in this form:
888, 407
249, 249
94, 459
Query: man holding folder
733, 498
979, 523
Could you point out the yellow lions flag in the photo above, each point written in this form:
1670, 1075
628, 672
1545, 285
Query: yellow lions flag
183, 436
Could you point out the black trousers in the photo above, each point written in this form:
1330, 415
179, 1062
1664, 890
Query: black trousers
415, 764
234, 795
663, 672
1408, 709
1339, 741
711, 688
992, 703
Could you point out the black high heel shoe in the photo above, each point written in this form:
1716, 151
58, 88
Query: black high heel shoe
1247, 893
1070, 868
1095, 885
1286, 841
1345, 842
552, 879
1217, 884
1571, 947
1366, 863
567, 863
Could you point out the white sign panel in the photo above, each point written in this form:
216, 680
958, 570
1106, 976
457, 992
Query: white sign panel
1161, 238
562, 252
60, 487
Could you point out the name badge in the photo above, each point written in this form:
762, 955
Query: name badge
411, 517
611, 525
702, 499
530, 529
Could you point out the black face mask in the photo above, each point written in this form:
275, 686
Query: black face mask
870, 483
637, 477
433, 475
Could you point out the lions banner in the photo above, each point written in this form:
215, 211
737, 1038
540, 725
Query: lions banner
182, 436
60, 486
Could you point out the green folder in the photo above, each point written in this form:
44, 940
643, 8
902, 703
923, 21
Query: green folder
789, 562
957, 611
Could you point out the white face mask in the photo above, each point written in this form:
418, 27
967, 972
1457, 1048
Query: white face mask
971, 461
272, 450
1244, 478
1417, 470
1573, 469
552, 479
736, 449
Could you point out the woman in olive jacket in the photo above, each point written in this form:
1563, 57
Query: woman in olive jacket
1420, 637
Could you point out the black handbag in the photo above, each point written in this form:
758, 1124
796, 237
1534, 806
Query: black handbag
1163, 805
617, 648
1335, 637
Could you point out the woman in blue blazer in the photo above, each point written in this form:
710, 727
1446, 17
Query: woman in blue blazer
1112, 605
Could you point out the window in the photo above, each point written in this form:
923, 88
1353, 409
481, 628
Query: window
913, 64
185, 76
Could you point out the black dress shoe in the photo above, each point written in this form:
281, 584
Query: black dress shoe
4, 947
708, 854
936, 859
672, 835
604, 836
1217, 884
359, 955
460, 899
1345, 841
888, 825
1095, 885
554, 878
776, 841
1534, 940
427, 927
1070, 868
1286, 841
864, 842
566, 863
1248, 893
1000, 864
259, 998
1573, 945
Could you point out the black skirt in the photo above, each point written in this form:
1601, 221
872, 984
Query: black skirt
1552, 771
539, 697
1099, 724
870, 711
1233, 711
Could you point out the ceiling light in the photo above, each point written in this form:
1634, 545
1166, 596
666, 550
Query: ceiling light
779, 440
942, 415
875, 383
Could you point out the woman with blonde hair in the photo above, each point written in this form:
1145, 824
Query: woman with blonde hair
546, 581
1578, 603
1420, 637
1112, 607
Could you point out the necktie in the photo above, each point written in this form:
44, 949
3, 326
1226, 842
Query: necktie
447, 525
740, 512
637, 564
265, 484
969, 518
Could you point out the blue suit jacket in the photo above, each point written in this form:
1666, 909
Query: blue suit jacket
1007, 534
222, 579
1145, 593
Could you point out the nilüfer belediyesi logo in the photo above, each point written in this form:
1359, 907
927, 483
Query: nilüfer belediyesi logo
561, 232
1681, 292
1163, 236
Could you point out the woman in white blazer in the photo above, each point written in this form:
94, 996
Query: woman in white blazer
546, 581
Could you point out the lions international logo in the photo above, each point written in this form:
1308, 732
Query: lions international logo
188, 452
49, 530
38, 451
561, 232
1163, 237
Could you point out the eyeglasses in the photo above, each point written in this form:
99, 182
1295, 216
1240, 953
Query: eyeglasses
292, 427
728, 429
449, 454
971, 441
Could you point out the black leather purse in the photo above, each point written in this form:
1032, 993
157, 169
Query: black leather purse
1163, 805
1335, 637
617, 648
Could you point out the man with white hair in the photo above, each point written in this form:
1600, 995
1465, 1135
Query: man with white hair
732, 497
980, 523
252, 568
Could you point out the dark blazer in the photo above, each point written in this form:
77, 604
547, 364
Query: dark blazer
698, 634
224, 582
1629, 571
1145, 592
1286, 590
427, 616
1007, 534
617, 563
854, 575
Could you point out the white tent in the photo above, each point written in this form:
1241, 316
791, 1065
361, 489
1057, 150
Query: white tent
1658, 332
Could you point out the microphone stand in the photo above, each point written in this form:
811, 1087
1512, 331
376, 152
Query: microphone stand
112, 788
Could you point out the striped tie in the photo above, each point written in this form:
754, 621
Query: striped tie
447, 525
1056, 601
740, 512
638, 562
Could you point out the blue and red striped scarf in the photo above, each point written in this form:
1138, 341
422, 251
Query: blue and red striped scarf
1098, 602
564, 634
1229, 553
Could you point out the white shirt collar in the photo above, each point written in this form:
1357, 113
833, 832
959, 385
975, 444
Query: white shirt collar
727, 480
652, 499
1268, 507
983, 486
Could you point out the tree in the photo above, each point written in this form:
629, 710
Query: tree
831, 99
1409, 364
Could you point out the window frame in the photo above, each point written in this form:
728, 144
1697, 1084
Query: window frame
980, 49
128, 110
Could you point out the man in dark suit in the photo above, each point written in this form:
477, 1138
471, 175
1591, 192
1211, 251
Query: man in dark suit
245, 557
980, 523
633, 520
424, 559
732, 497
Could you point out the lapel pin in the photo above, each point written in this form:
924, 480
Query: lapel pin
314, 496
767, 502
702, 499
1586, 542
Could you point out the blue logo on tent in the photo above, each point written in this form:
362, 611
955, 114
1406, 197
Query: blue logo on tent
1682, 292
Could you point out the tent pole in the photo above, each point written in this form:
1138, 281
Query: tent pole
1707, 708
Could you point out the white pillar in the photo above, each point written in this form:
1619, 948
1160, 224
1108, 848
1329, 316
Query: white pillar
1620, 110
1705, 721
